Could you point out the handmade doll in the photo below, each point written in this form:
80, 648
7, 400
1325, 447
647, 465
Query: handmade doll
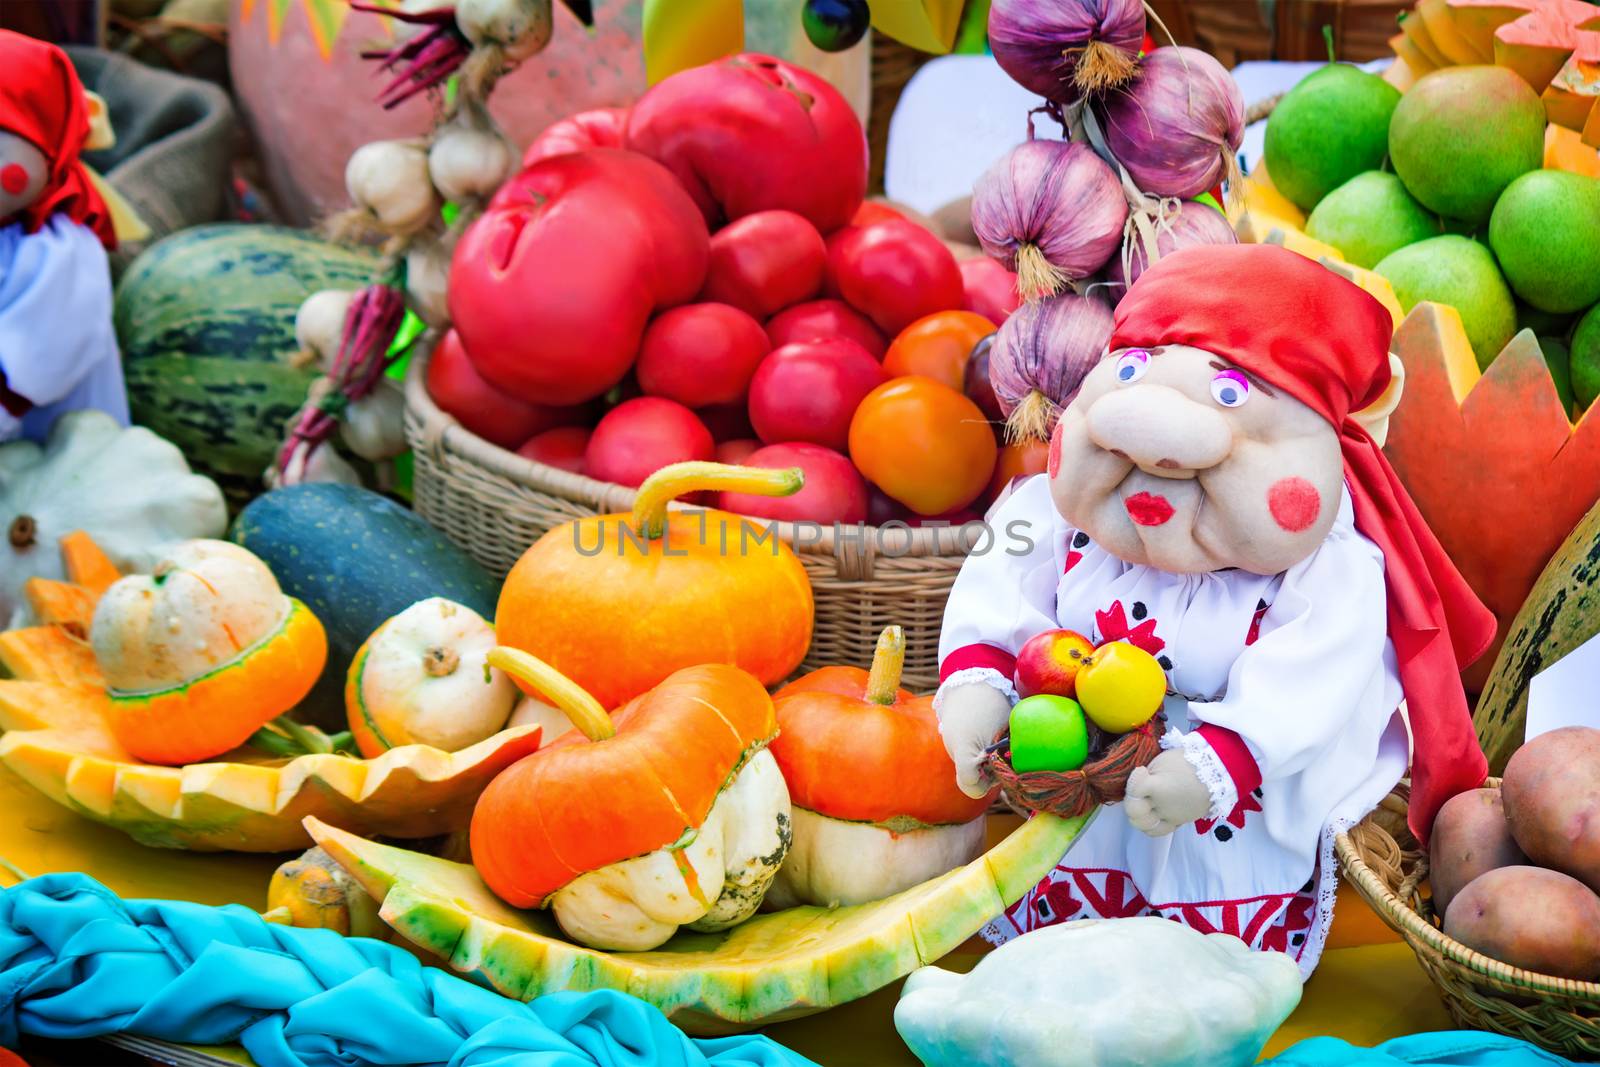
58, 351
1210, 500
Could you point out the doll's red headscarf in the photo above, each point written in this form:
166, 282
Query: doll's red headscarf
1321, 339
41, 101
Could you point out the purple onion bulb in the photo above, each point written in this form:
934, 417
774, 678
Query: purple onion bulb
1196, 223
1050, 211
1063, 48
1178, 126
1040, 357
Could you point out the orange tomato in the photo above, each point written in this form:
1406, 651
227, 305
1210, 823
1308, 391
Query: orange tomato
924, 444
1029, 457
937, 346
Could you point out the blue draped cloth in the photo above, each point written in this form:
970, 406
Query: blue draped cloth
1448, 1048
76, 961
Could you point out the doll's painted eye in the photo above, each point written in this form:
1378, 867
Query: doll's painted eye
1230, 389
1131, 366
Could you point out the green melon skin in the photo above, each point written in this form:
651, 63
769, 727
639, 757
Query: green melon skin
1326, 130
1370, 216
1545, 231
1462, 134
356, 558
1558, 358
1586, 359
1462, 273
205, 320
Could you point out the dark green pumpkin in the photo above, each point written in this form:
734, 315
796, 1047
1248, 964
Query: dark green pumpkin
205, 319
356, 558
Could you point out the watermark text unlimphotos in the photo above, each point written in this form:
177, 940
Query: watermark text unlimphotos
756, 536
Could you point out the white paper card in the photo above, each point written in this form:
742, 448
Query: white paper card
1566, 693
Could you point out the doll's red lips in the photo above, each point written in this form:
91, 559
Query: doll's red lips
1147, 509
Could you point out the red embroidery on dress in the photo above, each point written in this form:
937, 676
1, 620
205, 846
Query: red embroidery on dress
1247, 803
1296, 920
1113, 626
1255, 624
1074, 557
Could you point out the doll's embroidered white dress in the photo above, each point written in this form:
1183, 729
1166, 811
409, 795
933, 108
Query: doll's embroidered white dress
1283, 693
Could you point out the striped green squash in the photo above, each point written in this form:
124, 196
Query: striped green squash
205, 319
1561, 613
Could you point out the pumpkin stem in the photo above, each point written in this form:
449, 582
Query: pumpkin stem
440, 662
883, 681
575, 703
24, 531
668, 483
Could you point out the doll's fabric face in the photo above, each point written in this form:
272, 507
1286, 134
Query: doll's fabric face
24, 170
1174, 458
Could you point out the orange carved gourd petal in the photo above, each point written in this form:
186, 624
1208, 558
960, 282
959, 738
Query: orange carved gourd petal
61, 604
86, 564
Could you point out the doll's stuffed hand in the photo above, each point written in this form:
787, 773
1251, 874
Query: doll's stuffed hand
970, 716
1165, 795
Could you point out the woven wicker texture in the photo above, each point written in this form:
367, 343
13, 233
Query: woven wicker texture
1103, 780
1381, 858
494, 504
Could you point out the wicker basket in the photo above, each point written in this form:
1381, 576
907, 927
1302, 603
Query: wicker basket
494, 504
1381, 858
1068, 794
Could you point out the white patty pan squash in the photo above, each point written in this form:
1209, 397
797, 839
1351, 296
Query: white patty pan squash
1144, 992
129, 490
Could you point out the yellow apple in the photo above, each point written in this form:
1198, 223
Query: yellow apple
1121, 687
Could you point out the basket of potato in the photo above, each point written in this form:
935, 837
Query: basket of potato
1502, 909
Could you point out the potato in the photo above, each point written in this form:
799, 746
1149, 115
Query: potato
1470, 836
1551, 793
1532, 918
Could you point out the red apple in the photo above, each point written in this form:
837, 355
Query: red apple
765, 262
833, 492
563, 447
700, 354
638, 437
894, 272
816, 320
459, 390
737, 450
1049, 662
989, 289
808, 391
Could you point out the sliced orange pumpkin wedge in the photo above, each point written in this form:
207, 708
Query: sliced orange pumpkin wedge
776, 966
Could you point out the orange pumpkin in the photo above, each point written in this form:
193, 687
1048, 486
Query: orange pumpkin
877, 809
203, 652
70, 604
629, 793
937, 346
619, 602
924, 444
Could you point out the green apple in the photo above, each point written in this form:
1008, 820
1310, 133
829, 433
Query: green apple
1048, 733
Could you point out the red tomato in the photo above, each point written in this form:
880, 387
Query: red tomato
872, 211
737, 450
563, 448
807, 391
459, 390
764, 262
727, 422
638, 437
750, 133
1018, 461
552, 287
700, 354
818, 320
990, 290
601, 128
833, 492
894, 272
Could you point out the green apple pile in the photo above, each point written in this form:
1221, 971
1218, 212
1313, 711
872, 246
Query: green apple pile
1441, 191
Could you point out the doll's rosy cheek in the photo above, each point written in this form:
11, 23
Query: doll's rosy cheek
13, 178
1053, 458
1294, 503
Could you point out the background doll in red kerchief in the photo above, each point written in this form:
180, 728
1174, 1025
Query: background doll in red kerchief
1210, 498
58, 350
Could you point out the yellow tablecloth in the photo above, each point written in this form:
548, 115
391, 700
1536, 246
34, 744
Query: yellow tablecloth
1368, 988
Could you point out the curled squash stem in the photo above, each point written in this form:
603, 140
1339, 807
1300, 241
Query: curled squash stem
671, 482
575, 703
285, 738
888, 660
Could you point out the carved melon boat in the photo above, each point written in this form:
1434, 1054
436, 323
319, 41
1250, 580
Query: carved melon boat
775, 966
55, 708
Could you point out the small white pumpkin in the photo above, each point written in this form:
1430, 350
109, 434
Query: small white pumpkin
551, 721
1099, 993
128, 489
834, 862
421, 679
